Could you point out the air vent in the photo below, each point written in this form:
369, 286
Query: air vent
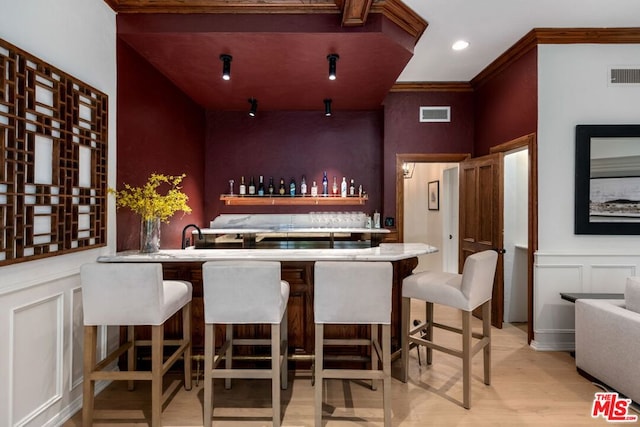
435, 114
624, 75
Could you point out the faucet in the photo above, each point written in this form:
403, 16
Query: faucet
184, 231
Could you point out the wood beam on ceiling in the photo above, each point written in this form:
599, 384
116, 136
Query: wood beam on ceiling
355, 12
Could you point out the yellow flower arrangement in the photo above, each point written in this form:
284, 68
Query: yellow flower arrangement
149, 203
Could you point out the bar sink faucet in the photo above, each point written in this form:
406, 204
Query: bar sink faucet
184, 231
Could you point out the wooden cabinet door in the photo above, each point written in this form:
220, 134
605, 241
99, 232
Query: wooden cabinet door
481, 219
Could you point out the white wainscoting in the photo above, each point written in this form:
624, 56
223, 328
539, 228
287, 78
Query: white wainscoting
554, 318
41, 333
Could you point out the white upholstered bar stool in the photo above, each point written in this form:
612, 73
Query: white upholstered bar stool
244, 292
129, 294
466, 291
353, 292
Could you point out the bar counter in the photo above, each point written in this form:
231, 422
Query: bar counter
297, 269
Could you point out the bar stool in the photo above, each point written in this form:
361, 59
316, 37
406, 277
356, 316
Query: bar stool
244, 292
128, 294
466, 292
352, 292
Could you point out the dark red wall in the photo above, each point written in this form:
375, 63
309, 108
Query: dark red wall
506, 107
292, 143
159, 130
404, 133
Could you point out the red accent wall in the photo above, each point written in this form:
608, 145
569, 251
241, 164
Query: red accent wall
292, 143
506, 107
159, 130
404, 133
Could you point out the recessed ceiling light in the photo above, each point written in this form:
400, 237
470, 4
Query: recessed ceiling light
460, 45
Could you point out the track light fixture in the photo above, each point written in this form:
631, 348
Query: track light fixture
254, 107
226, 66
332, 58
327, 107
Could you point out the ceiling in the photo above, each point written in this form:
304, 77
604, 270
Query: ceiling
279, 58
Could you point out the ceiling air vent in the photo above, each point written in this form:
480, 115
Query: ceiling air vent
624, 75
435, 114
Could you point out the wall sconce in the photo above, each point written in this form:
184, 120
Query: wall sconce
226, 66
254, 107
407, 170
327, 107
332, 58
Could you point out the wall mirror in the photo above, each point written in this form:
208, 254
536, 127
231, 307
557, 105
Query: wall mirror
607, 196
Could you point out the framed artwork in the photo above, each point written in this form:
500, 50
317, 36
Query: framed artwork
607, 197
434, 195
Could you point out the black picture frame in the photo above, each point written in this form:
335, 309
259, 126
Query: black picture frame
433, 196
602, 211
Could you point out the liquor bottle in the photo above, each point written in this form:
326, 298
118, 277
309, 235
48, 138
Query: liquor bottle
360, 190
303, 186
343, 187
314, 189
334, 187
252, 187
281, 190
243, 187
261, 186
325, 184
272, 189
292, 187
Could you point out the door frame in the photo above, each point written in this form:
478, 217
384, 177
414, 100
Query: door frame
417, 158
529, 141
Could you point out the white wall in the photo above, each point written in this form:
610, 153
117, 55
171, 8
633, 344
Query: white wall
516, 205
572, 90
40, 301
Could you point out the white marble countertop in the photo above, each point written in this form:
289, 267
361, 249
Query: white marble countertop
384, 252
290, 230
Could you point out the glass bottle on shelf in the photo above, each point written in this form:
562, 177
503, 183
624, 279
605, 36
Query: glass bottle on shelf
281, 190
352, 188
292, 187
325, 184
272, 189
314, 189
261, 186
343, 187
243, 187
252, 187
231, 181
303, 186
334, 187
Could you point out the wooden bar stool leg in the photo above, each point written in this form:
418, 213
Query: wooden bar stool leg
486, 331
88, 386
374, 354
186, 336
466, 359
386, 369
131, 354
275, 373
404, 337
284, 370
157, 336
429, 337
209, 354
318, 373
228, 357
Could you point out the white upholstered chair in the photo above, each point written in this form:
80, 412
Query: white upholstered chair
244, 292
128, 294
466, 291
349, 292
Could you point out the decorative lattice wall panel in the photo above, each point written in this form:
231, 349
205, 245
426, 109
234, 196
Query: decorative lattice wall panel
53, 160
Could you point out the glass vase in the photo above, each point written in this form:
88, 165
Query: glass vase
150, 235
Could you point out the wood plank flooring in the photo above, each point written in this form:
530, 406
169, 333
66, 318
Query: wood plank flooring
529, 388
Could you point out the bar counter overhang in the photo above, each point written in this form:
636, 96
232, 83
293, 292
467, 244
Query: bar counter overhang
297, 269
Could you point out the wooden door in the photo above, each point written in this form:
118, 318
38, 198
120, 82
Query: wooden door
481, 219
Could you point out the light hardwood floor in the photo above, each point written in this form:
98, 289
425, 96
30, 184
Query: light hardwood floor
529, 388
